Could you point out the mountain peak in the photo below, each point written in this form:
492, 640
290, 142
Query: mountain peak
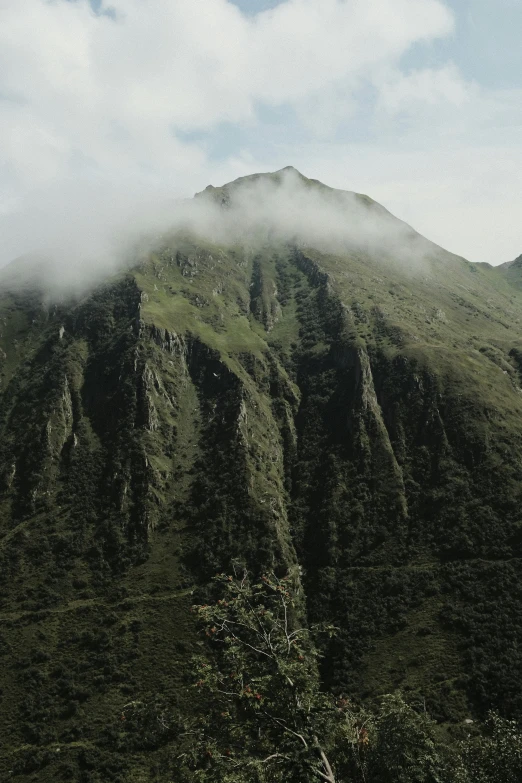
289, 168
276, 177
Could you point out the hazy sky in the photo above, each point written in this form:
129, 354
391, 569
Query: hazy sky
109, 105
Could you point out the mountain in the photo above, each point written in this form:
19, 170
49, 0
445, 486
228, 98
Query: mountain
351, 408
512, 271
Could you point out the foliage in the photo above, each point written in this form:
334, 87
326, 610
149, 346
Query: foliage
492, 757
262, 686
404, 749
268, 718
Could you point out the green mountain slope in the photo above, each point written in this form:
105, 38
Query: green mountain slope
348, 412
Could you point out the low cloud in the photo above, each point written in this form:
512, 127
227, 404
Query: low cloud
98, 109
283, 208
286, 207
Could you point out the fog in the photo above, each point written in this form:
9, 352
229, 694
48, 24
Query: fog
288, 207
75, 237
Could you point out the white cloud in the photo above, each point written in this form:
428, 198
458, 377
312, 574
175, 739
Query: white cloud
90, 104
466, 196
428, 88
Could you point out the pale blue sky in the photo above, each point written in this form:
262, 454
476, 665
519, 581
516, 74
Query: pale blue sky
486, 45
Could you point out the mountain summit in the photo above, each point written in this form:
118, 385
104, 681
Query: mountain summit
338, 399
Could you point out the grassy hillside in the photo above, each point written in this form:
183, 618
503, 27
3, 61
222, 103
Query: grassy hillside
348, 412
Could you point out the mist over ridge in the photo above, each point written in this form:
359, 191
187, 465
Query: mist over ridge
76, 241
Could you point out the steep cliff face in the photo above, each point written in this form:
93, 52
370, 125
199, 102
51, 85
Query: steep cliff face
275, 406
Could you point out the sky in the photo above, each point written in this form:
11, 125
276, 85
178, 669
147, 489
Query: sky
109, 109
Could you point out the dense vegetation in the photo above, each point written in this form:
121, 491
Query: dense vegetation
341, 417
268, 720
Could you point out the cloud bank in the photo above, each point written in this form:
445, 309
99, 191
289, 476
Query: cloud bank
279, 208
98, 108
108, 116
285, 207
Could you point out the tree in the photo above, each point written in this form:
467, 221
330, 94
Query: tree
267, 719
491, 757
403, 747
